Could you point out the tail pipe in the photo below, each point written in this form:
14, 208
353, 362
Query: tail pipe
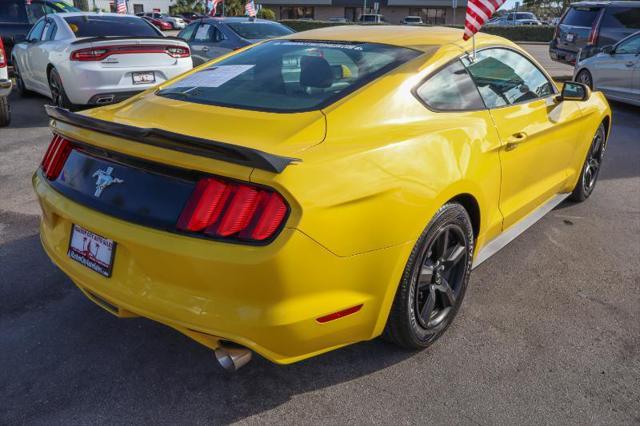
232, 358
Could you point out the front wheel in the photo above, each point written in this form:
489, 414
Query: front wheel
591, 167
434, 281
584, 77
5, 111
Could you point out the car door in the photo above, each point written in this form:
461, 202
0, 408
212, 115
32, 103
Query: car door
28, 67
614, 71
538, 133
39, 55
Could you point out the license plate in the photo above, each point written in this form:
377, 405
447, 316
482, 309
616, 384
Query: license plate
91, 250
143, 77
570, 37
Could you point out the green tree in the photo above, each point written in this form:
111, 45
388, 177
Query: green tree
266, 13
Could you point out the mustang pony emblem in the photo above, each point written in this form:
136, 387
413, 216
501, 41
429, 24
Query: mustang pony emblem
104, 179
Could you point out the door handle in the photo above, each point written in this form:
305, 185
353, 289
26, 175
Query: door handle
630, 63
515, 140
205, 49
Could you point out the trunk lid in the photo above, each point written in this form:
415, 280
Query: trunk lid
139, 51
280, 134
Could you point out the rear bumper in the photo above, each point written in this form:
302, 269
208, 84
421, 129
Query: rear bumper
565, 56
265, 298
83, 80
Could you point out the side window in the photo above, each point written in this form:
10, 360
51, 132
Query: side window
202, 34
187, 33
36, 31
630, 46
505, 77
50, 30
451, 89
622, 17
216, 35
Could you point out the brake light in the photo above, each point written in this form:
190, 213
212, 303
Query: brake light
102, 52
3, 55
233, 210
595, 29
55, 157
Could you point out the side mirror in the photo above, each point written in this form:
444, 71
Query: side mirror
608, 50
573, 91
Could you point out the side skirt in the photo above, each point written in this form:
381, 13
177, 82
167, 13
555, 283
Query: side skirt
510, 234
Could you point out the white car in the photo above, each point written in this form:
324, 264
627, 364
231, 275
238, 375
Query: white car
96, 58
5, 88
412, 20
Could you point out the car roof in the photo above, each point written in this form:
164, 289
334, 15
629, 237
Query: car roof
396, 35
606, 3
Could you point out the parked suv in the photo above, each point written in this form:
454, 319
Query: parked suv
590, 26
18, 16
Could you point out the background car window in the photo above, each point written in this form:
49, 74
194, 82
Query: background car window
208, 33
97, 26
12, 11
630, 46
505, 77
36, 31
259, 30
581, 16
622, 17
451, 89
50, 30
187, 33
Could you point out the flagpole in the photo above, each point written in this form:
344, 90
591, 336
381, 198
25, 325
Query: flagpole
473, 47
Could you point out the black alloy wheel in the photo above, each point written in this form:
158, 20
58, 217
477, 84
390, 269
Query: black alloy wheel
591, 167
435, 280
58, 95
584, 77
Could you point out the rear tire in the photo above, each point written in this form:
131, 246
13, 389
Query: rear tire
585, 77
58, 94
591, 167
434, 281
5, 111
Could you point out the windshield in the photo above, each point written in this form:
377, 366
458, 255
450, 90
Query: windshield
259, 30
525, 16
62, 7
113, 26
289, 75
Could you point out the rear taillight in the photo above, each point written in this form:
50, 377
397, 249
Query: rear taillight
595, 29
3, 55
232, 210
55, 157
102, 52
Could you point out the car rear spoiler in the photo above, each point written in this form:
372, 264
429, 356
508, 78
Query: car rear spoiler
116, 38
164, 139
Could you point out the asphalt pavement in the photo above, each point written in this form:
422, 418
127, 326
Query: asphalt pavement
549, 332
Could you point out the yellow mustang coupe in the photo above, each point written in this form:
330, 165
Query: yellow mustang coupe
315, 190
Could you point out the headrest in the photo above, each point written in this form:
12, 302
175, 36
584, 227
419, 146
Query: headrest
315, 72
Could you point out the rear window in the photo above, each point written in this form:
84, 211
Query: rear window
115, 26
622, 17
259, 30
581, 16
525, 15
289, 75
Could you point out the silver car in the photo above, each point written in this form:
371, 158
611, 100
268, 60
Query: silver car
615, 70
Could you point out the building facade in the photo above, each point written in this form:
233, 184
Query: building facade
435, 12
133, 6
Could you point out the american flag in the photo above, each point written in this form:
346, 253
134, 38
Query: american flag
250, 8
214, 5
121, 6
478, 12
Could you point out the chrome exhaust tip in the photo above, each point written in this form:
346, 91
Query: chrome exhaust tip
232, 358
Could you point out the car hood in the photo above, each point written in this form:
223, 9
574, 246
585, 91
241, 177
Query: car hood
283, 134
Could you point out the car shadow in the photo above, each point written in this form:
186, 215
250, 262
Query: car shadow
63, 346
